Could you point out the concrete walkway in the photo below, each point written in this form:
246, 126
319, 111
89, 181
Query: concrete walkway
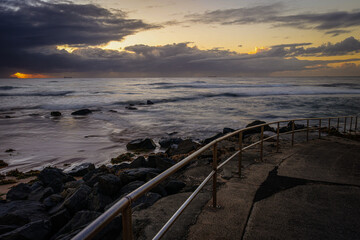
310, 191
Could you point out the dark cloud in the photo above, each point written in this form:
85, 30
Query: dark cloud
32, 23
335, 33
274, 14
346, 47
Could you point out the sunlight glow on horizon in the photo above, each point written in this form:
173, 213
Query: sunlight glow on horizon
28, 75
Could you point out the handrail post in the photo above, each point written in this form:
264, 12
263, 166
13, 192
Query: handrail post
350, 124
338, 124
292, 133
329, 126
345, 125
277, 137
261, 143
319, 128
127, 223
215, 174
307, 130
240, 151
356, 124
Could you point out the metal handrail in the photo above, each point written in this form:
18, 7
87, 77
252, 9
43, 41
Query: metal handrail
124, 204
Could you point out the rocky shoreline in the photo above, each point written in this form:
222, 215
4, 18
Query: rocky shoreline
58, 204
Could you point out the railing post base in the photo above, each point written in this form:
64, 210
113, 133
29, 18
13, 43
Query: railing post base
127, 223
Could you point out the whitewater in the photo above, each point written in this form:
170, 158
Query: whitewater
194, 108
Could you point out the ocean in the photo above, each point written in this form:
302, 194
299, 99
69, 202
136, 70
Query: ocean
194, 108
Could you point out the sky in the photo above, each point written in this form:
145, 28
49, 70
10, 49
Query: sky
188, 38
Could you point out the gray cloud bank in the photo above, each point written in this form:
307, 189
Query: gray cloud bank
274, 14
31, 29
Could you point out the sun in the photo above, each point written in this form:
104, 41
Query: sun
26, 75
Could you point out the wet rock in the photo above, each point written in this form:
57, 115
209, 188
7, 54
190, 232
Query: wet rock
78, 200
228, 130
36, 185
74, 184
98, 201
128, 188
59, 219
109, 184
21, 212
79, 221
159, 189
167, 142
296, 126
52, 200
138, 163
146, 200
183, 147
125, 157
139, 174
91, 177
3, 164
40, 194
18, 192
38, 230
160, 162
210, 139
82, 169
141, 145
82, 112
149, 102
9, 150
54, 178
55, 114
258, 129
174, 186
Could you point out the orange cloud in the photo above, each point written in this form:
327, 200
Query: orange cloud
25, 75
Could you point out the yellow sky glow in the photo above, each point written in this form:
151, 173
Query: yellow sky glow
25, 75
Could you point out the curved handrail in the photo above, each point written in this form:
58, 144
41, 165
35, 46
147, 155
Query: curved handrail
124, 204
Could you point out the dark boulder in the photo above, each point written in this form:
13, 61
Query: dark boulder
258, 129
55, 114
128, 188
78, 200
141, 145
18, 192
37, 230
167, 142
139, 174
92, 177
3, 164
296, 126
21, 212
160, 162
183, 147
138, 163
131, 108
40, 194
98, 201
59, 219
109, 184
74, 184
174, 186
52, 200
149, 102
159, 189
54, 178
228, 130
146, 200
210, 139
82, 112
82, 169
79, 221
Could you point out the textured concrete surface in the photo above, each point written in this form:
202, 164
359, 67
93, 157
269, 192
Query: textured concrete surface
310, 191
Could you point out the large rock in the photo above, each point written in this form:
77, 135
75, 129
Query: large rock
21, 212
125, 157
18, 192
138, 163
98, 201
210, 139
92, 177
146, 200
109, 184
40, 193
140, 174
128, 188
78, 200
258, 129
52, 200
160, 162
54, 178
167, 142
37, 230
59, 220
183, 147
82, 112
141, 145
55, 114
228, 130
174, 186
82, 169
